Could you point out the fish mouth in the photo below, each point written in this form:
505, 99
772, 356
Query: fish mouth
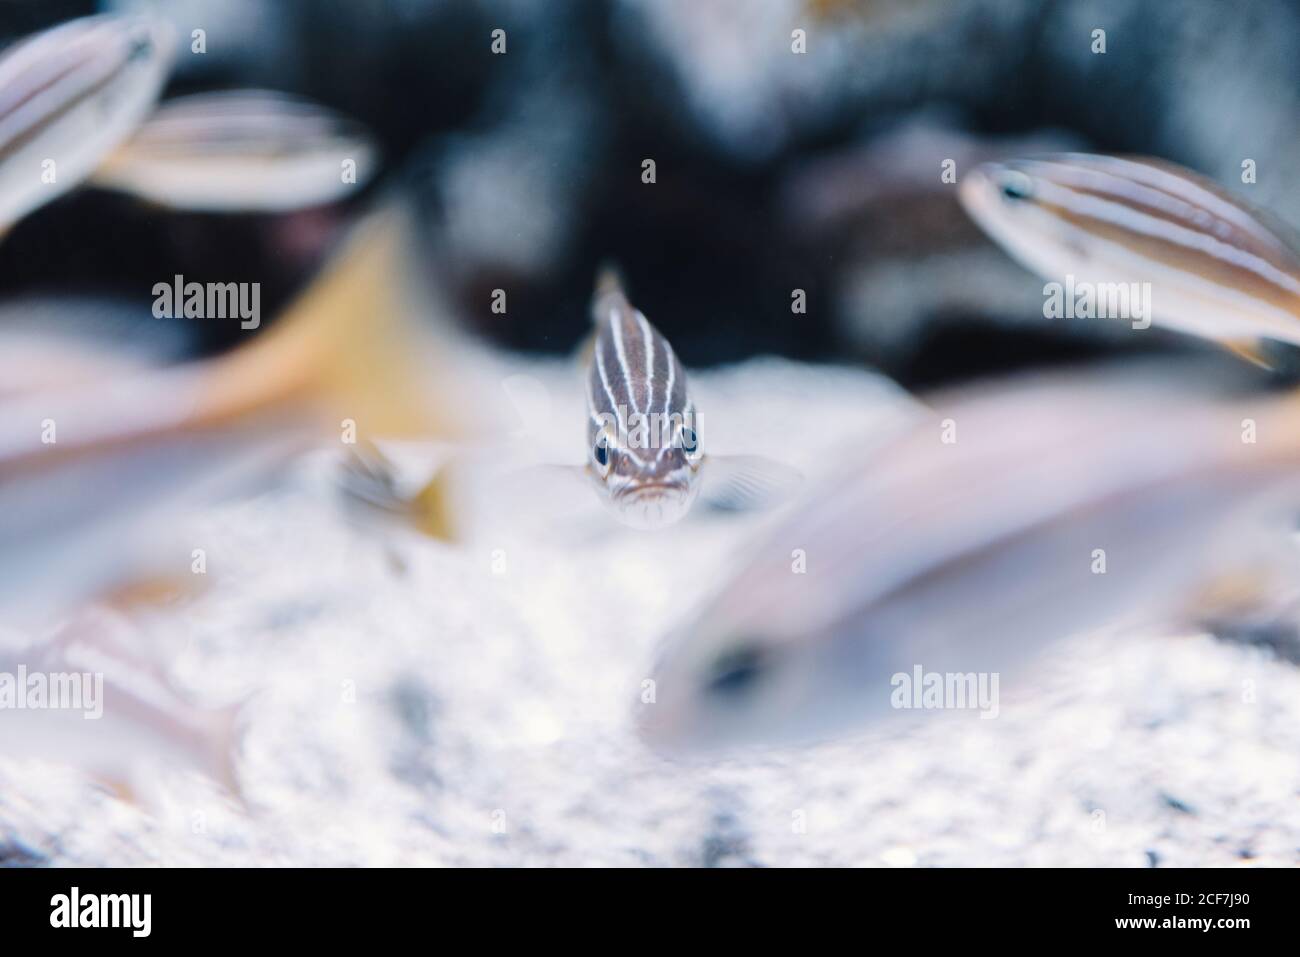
978, 185
650, 505
652, 490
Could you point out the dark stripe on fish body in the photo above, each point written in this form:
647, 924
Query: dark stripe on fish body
239, 122
1176, 195
71, 74
632, 364
1143, 207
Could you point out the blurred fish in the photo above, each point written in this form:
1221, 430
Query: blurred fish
68, 96
88, 472
241, 151
403, 487
643, 429
1063, 506
1217, 269
88, 700
59, 341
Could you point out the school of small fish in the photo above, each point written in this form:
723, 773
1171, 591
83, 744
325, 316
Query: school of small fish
967, 542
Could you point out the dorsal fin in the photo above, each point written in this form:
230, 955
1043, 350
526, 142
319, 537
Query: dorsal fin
608, 293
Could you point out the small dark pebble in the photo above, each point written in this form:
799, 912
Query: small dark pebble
1170, 801
16, 855
416, 707
726, 844
1279, 638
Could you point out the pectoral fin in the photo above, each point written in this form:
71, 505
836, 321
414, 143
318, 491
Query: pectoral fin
547, 491
742, 483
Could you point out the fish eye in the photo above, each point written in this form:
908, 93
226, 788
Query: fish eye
141, 47
600, 452
736, 672
690, 442
1016, 186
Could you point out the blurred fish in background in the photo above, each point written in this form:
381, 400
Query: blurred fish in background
529, 162
1214, 267
70, 95
240, 151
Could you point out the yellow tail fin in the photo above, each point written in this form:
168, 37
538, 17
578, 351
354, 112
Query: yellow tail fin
369, 479
351, 343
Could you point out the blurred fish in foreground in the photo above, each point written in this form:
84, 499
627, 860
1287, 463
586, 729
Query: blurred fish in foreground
88, 700
241, 151
68, 96
1216, 268
1017, 516
88, 472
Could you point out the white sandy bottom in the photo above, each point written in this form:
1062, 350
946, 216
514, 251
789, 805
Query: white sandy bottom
475, 709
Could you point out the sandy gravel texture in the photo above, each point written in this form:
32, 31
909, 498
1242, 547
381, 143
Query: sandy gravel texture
413, 703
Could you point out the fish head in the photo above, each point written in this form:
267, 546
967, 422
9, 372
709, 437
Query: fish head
1021, 205
76, 91
757, 667
648, 477
149, 49
119, 63
147, 39
138, 52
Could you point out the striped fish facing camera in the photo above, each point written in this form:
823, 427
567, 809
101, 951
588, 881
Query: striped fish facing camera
643, 430
241, 151
1216, 268
642, 433
68, 96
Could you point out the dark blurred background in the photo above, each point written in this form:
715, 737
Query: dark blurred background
775, 171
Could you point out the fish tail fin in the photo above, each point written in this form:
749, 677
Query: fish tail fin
433, 514
352, 343
609, 292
